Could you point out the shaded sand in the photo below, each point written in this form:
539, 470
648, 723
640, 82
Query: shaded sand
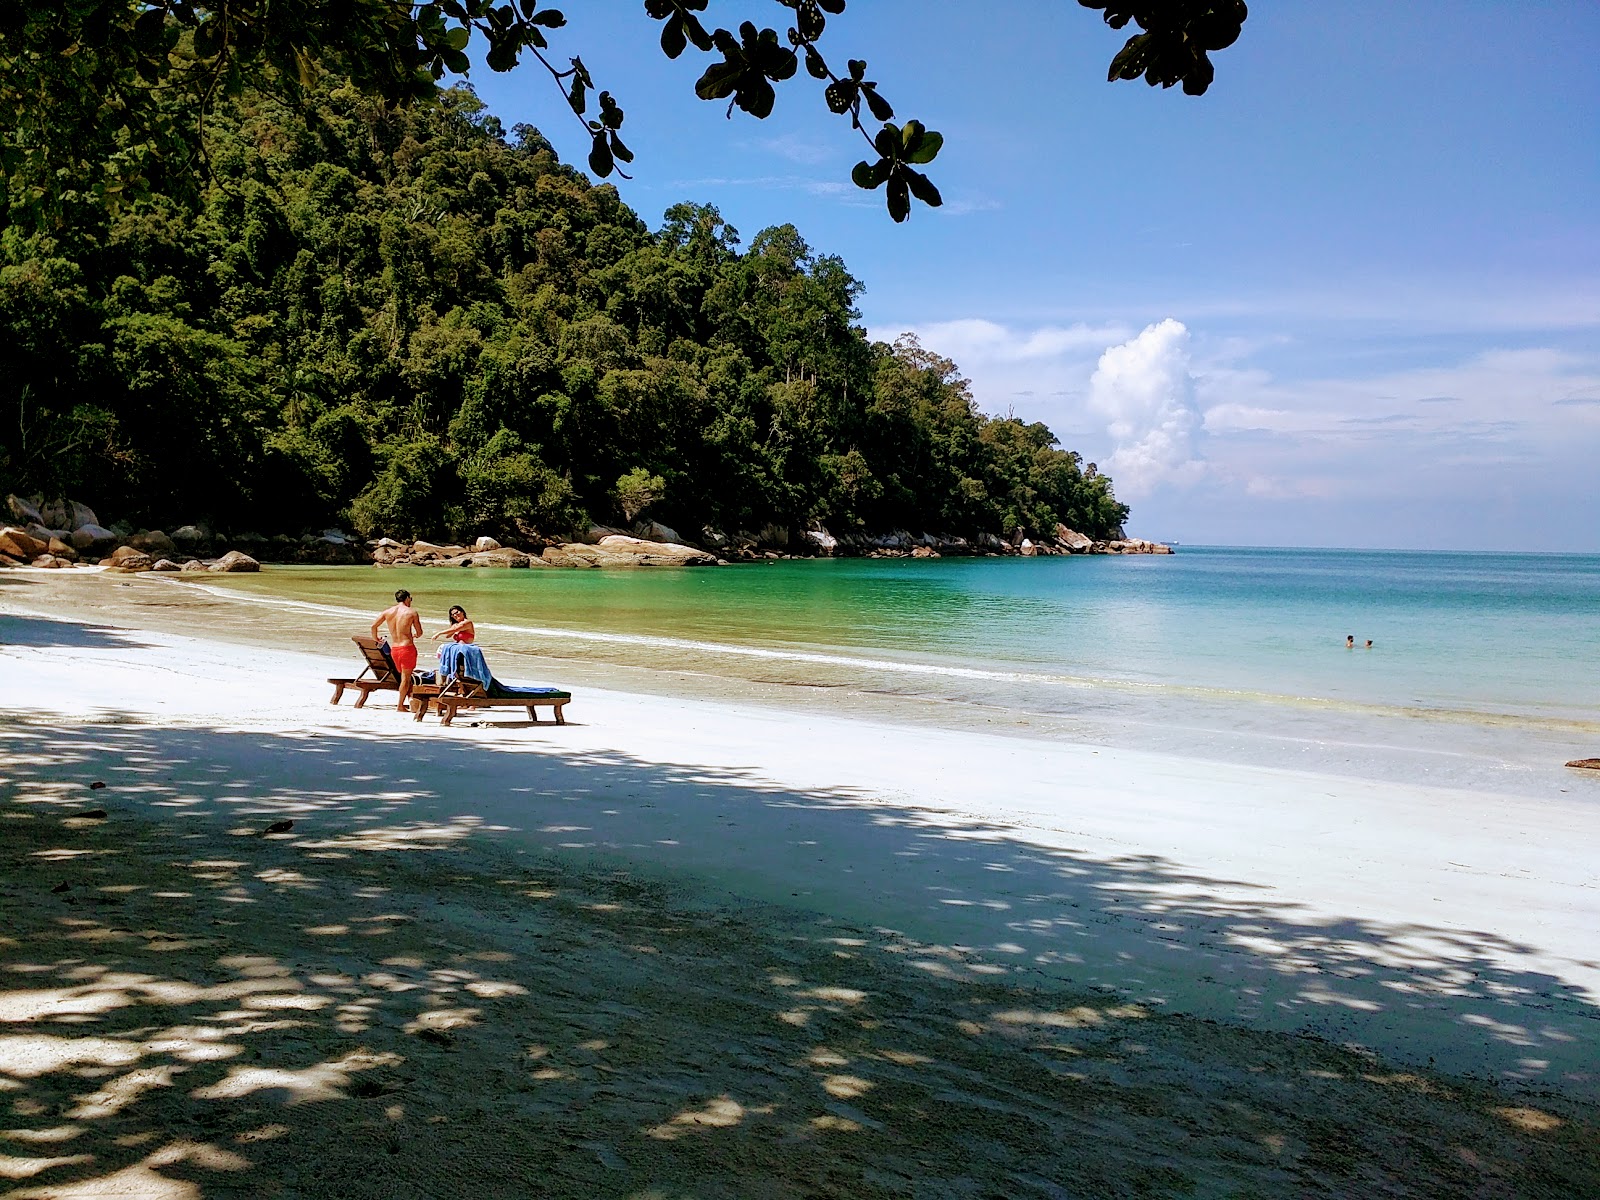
685, 949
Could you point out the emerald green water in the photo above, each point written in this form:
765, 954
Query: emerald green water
1487, 658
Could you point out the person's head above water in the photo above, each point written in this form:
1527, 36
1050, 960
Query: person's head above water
1369, 643
402, 597
1349, 639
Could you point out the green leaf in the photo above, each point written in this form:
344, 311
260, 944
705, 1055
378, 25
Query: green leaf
898, 198
863, 176
928, 148
673, 39
458, 37
877, 104
922, 188
600, 156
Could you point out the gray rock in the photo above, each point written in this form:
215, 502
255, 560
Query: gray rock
23, 511
79, 515
655, 531
164, 564
773, 535
194, 565
485, 543
93, 541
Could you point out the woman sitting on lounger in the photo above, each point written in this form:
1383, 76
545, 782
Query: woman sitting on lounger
460, 629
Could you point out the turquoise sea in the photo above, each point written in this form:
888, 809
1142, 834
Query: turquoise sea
1484, 670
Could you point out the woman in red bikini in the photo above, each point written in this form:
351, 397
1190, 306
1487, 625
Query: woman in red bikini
460, 629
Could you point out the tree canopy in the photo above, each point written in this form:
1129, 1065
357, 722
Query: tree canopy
411, 319
110, 96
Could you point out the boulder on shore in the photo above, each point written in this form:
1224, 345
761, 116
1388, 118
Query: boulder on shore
822, 541
617, 550
164, 564
62, 550
93, 541
20, 544
1073, 541
50, 560
485, 543
193, 565
126, 558
422, 552
152, 541
234, 562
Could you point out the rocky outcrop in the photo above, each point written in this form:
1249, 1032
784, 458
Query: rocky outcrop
637, 552
62, 549
821, 541
485, 544
503, 556
164, 564
194, 566
1131, 546
621, 550
1076, 543
234, 562
570, 554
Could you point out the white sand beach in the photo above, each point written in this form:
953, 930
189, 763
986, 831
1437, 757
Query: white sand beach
682, 944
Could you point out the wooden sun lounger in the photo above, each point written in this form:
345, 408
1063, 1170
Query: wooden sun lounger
461, 692
384, 677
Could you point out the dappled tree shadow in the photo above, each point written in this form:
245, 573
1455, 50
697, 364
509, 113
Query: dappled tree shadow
42, 633
411, 994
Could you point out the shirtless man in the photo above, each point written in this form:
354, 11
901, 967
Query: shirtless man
404, 627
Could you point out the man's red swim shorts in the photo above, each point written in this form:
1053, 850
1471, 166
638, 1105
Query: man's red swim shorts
405, 657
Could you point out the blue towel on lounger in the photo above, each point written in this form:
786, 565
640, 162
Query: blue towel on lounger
463, 658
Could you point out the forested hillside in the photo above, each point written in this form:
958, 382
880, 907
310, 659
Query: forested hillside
413, 322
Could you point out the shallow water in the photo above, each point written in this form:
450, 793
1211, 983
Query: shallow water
1481, 674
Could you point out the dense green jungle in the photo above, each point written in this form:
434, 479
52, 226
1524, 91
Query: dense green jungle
411, 321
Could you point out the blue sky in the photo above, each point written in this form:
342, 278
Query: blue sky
1351, 296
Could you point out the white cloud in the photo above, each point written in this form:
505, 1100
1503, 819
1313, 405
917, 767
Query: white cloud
1146, 393
975, 343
